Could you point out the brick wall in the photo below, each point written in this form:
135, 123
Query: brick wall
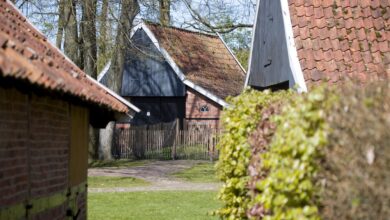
49, 145
13, 150
34, 150
194, 102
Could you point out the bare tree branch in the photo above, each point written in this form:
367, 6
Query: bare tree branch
224, 28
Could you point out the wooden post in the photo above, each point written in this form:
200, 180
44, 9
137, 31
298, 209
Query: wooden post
174, 144
211, 146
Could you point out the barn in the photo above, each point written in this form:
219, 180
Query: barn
46, 106
302, 43
173, 73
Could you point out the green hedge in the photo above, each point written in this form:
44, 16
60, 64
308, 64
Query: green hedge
291, 161
355, 169
281, 154
238, 123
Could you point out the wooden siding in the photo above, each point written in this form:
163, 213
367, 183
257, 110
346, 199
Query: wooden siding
269, 63
161, 109
147, 73
78, 161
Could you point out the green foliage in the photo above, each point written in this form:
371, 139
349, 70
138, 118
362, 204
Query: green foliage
243, 57
291, 162
356, 163
324, 155
238, 123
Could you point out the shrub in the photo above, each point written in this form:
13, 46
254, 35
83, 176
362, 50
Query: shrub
238, 122
260, 140
355, 173
320, 155
287, 191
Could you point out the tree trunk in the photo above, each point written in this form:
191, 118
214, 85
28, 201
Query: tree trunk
89, 37
130, 9
103, 27
165, 12
60, 29
71, 43
88, 32
103, 40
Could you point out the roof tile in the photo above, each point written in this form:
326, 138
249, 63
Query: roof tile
25, 54
342, 38
203, 58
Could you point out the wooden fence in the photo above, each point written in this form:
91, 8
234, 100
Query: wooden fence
141, 143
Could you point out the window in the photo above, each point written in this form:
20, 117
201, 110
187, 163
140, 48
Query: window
204, 108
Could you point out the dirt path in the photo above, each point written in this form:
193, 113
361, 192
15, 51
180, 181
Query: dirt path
158, 173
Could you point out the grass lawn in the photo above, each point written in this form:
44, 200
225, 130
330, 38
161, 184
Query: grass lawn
117, 163
152, 205
114, 181
200, 173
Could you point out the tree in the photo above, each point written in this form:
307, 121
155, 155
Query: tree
89, 37
130, 9
103, 41
165, 12
220, 16
71, 43
88, 33
60, 23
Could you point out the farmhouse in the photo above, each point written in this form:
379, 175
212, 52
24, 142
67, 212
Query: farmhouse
173, 73
46, 106
301, 43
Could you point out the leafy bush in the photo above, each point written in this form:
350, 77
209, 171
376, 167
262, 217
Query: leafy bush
355, 174
287, 191
238, 123
320, 155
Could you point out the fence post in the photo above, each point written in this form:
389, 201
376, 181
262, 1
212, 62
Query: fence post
211, 145
176, 135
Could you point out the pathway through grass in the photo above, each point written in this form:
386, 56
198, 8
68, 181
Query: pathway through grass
155, 190
115, 181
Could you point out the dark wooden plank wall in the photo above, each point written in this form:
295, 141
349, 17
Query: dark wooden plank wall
146, 73
269, 63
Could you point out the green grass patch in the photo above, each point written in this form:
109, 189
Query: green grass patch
117, 163
114, 181
152, 205
200, 173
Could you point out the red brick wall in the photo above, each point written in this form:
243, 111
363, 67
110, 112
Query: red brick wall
49, 145
34, 150
194, 102
13, 150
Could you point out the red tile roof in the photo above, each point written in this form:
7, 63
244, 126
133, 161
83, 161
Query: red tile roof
336, 39
203, 58
26, 54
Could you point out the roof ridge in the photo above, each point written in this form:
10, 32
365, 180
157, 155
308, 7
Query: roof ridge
181, 29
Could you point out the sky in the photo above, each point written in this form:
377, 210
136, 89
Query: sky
43, 14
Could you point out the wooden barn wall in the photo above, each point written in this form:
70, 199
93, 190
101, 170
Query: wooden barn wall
37, 174
146, 72
269, 60
78, 163
161, 109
